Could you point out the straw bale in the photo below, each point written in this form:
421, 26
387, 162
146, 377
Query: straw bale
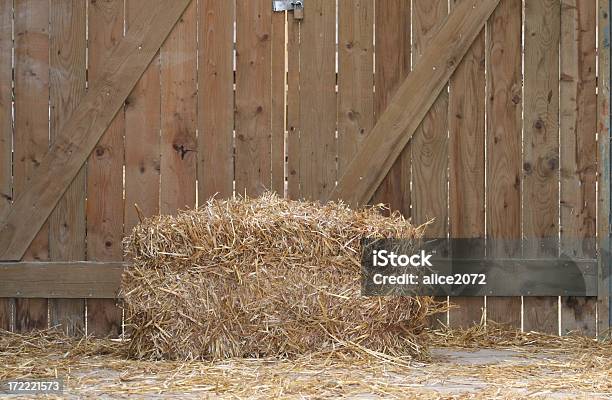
255, 277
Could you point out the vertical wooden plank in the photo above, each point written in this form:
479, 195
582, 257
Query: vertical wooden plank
31, 138
466, 110
142, 127
317, 100
578, 125
6, 103
355, 77
393, 52
278, 103
503, 185
142, 138
67, 21
105, 170
541, 150
293, 108
604, 306
429, 145
178, 114
253, 96
216, 113
6, 130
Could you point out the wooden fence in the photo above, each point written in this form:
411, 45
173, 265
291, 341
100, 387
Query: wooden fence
240, 99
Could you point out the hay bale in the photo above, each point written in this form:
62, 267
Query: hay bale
263, 277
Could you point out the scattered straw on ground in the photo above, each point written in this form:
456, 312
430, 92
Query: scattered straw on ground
264, 276
570, 362
530, 366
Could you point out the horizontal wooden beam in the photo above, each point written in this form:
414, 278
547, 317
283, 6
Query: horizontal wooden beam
406, 110
84, 127
64, 280
506, 277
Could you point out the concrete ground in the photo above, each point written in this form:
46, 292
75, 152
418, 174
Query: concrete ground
452, 373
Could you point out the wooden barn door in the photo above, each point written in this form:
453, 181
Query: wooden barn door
71, 140
483, 115
500, 152
143, 127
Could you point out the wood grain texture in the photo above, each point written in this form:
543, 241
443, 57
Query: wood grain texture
142, 135
31, 137
393, 53
279, 82
6, 106
67, 226
293, 108
57, 279
88, 122
405, 112
178, 114
466, 116
604, 306
504, 152
216, 112
355, 76
253, 96
6, 314
429, 145
541, 150
105, 169
514, 277
578, 151
6, 131
318, 102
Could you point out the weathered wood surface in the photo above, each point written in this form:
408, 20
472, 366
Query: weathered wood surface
541, 150
466, 114
504, 153
316, 150
293, 109
84, 127
336, 92
67, 74
393, 62
279, 82
253, 97
604, 300
6, 106
142, 135
178, 114
216, 112
105, 170
70, 279
31, 136
429, 145
90, 279
578, 105
355, 77
6, 131
405, 112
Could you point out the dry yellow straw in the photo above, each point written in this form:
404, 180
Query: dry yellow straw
257, 277
541, 366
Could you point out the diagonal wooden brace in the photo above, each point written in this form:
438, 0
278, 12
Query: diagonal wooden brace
381, 147
86, 125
